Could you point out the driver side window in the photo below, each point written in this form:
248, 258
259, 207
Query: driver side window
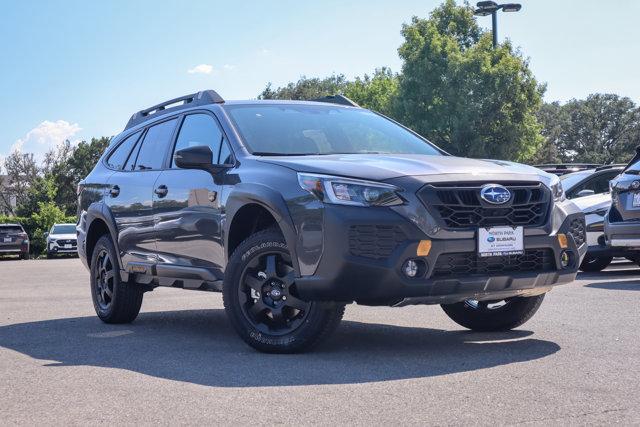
199, 129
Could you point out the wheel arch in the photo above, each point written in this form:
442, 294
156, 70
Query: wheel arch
251, 208
100, 221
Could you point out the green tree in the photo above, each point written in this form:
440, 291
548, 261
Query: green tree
554, 122
463, 94
307, 88
377, 92
604, 128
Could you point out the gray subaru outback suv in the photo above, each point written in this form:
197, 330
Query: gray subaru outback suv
294, 209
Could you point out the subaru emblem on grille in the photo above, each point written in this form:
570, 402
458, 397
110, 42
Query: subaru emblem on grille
495, 194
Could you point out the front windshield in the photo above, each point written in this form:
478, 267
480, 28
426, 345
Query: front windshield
64, 229
571, 179
299, 129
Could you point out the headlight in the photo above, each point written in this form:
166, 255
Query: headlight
51, 240
346, 191
557, 190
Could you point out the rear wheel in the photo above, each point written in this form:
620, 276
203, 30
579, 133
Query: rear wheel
488, 316
593, 264
260, 298
114, 300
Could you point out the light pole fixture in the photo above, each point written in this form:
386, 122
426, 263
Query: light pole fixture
486, 8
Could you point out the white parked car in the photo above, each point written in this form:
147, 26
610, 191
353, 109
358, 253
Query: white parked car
62, 239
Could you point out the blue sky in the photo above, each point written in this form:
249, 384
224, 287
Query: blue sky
77, 69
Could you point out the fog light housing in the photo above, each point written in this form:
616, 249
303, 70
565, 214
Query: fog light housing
410, 268
413, 268
565, 259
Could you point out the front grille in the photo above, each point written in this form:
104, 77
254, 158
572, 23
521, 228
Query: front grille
459, 206
374, 241
466, 263
73, 242
577, 230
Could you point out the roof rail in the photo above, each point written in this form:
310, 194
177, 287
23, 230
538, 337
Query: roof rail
336, 99
611, 166
204, 97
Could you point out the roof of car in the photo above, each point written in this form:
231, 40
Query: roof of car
211, 97
14, 224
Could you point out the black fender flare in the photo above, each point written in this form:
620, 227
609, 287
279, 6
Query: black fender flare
99, 210
270, 199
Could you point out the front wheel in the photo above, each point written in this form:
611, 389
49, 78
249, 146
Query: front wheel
114, 300
260, 298
489, 316
595, 264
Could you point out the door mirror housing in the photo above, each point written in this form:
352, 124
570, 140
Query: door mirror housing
585, 192
46, 234
197, 157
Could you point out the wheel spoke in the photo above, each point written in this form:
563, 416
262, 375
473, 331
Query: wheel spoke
258, 308
278, 316
296, 303
105, 261
253, 282
271, 266
108, 291
289, 278
109, 275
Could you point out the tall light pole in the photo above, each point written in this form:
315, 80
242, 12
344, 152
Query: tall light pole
486, 8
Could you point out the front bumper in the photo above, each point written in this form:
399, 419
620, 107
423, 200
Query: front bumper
55, 248
344, 276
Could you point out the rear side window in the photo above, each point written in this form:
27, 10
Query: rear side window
118, 158
199, 129
154, 146
11, 229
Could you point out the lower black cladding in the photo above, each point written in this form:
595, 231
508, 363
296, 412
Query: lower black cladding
465, 263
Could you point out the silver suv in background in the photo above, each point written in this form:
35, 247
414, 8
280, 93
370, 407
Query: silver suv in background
61, 239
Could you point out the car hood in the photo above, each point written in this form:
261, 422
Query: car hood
62, 236
379, 167
593, 203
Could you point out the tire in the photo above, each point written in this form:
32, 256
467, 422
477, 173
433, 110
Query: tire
114, 301
49, 255
483, 316
594, 264
24, 256
260, 299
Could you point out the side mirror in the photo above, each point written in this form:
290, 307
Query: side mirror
585, 192
198, 157
46, 234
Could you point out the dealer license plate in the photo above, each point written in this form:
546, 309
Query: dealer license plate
7, 239
636, 200
68, 246
500, 241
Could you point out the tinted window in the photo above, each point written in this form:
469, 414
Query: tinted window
155, 144
598, 184
12, 229
322, 129
571, 179
118, 158
64, 229
199, 129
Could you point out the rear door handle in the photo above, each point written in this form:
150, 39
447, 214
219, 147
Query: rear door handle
161, 191
114, 191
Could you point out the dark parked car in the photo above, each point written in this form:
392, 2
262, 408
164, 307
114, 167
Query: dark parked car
14, 240
294, 209
622, 222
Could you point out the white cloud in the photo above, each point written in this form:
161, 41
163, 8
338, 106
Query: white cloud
201, 69
44, 137
228, 66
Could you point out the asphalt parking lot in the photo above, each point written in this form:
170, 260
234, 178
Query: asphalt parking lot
576, 362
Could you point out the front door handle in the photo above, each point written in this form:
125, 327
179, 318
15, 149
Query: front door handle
161, 191
114, 191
